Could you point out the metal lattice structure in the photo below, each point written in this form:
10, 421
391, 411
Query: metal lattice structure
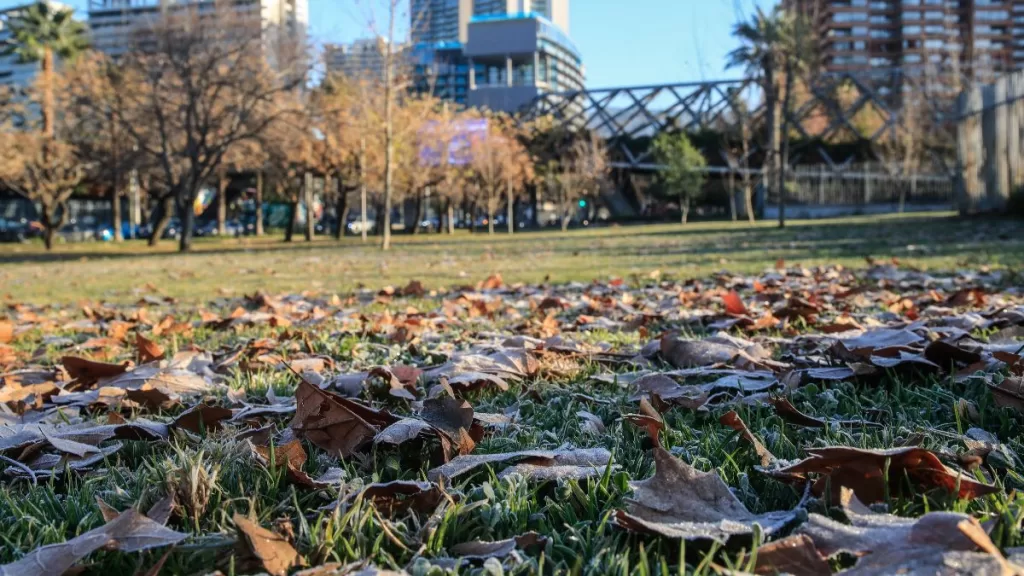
836, 120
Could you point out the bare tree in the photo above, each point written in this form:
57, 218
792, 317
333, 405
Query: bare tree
204, 87
582, 172
501, 166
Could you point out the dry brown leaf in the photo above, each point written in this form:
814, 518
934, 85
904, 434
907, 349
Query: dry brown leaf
268, 550
795, 555
733, 304
89, 371
478, 550
129, 531
936, 543
400, 496
148, 351
681, 502
592, 457
649, 419
733, 420
202, 417
1009, 392
789, 413
6, 331
335, 424
862, 471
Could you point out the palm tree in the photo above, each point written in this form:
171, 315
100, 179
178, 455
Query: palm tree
775, 47
41, 33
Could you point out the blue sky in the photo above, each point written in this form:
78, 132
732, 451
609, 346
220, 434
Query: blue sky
623, 42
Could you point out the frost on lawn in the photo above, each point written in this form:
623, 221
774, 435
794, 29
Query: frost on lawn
493, 427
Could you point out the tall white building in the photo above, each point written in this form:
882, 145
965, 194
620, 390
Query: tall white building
116, 25
14, 73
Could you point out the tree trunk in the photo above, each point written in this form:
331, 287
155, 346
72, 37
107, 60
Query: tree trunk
451, 218
784, 159
188, 218
341, 209
293, 220
164, 212
222, 205
748, 193
47, 111
362, 209
421, 205
510, 209
115, 210
389, 161
490, 215
685, 210
732, 195
774, 127
259, 203
48, 228
534, 205
566, 218
307, 194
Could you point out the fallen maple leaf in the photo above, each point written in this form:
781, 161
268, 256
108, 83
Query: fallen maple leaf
6, 331
795, 555
479, 550
89, 371
400, 496
682, 502
592, 457
733, 304
334, 423
936, 543
269, 550
202, 417
863, 471
733, 420
148, 351
130, 531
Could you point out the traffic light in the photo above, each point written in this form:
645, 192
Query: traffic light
583, 203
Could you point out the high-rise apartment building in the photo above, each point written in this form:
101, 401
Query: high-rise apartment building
499, 54
363, 58
14, 73
972, 37
118, 25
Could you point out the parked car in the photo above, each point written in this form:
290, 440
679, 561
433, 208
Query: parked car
356, 226
19, 230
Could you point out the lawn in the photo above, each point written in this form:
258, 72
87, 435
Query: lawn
672, 400
236, 266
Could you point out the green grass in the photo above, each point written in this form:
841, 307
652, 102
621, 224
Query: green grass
575, 516
235, 266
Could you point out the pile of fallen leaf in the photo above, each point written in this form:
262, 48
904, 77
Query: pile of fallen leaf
79, 383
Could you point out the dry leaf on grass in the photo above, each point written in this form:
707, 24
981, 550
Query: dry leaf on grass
596, 458
400, 496
862, 471
202, 418
795, 555
88, 372
681, 502
478, 550
338, 425
936, 543
130, 531
267, 550
148, 351
789, 413
733, 420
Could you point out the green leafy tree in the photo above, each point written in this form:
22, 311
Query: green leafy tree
684, 168
41, 33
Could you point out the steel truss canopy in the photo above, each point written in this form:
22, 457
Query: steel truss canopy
835, 119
